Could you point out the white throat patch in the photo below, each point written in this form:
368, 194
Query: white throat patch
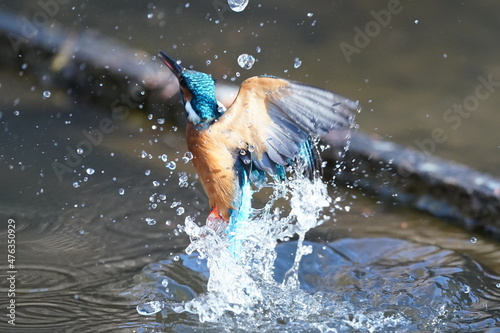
191, 114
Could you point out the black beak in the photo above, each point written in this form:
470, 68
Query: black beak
171, 63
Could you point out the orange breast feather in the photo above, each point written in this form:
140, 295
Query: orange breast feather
214, 163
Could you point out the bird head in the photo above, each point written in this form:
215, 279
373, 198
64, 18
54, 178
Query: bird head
197, 93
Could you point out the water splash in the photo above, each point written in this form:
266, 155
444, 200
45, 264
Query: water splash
245, 285
149, 308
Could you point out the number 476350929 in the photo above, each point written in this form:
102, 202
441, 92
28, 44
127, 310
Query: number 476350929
11, 243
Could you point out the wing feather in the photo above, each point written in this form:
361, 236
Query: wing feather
280, 119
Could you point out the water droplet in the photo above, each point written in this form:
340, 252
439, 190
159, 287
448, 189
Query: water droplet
258, 49
297, 63
164, 157
160, 121
171, 165
156, 183
237, 5
90, 171
208, 62
150, 15
243, 152
46, 94
149, 308
147, 172
76, 185
150, 221
251, 148
180, 211
16, 113
416, 21
498, 285
176, 258
121, 191
188, 156
473, 240
183, 180
466, 289
168, 222
164, 282
310, 14
246, 61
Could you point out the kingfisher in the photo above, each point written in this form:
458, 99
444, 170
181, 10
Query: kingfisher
273, 124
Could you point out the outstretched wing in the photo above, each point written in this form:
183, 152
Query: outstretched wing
274, 122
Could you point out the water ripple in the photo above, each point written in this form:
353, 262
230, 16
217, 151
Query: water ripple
363, 285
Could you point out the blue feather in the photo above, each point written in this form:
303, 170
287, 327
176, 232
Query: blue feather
202, 87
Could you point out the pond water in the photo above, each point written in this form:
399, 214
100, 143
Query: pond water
104, 238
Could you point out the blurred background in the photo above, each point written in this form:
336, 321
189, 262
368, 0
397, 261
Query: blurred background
427, 77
